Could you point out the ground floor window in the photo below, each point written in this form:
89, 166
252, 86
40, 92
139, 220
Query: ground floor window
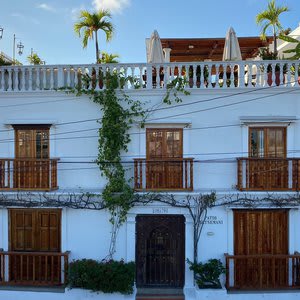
34, 256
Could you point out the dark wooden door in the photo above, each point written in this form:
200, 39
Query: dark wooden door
160, 256
164, 158
33, 231
258, 236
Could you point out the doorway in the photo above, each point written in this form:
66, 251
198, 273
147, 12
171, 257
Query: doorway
160, 254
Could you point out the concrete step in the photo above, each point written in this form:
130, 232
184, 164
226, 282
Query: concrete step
159, 297
159, 294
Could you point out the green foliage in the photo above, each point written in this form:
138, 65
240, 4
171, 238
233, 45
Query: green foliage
107, 277
296, 50
106, 58
119, 113
207, 274
4, 62
269, 18
90, 23
266, 54
174, 88
34, 59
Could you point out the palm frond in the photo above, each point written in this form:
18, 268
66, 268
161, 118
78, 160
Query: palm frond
90, 23
287, 38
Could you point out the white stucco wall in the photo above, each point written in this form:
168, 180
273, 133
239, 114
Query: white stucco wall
198, 142
86, 233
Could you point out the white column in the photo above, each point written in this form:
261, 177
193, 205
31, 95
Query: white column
167, 52
189, 251
230, 237
64, 230
130, 238
4, 231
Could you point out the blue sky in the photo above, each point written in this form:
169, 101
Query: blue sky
47, 25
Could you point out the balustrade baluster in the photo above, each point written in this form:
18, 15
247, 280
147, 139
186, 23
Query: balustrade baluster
39, 78
23, 79
106, 71
157, 77
250, 83
2, 79
10, 79
273, 76
193, 79
288, 75
132, 85
140, 76
51, 78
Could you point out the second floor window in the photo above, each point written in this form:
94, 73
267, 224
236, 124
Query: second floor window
32, 141
267, 142
164, 143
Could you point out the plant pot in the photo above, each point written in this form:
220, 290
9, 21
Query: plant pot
210, 286
277, 78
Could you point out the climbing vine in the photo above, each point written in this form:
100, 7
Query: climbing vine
119, 112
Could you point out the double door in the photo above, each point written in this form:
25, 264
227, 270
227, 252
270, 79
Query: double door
32, 165
268, 166
35, 239
164, 160
160, 255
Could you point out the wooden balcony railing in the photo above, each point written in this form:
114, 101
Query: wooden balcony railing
33, 268
272, 174
253, 272
172, 174
28, 174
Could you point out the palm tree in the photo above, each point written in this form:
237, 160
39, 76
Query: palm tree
34, 59
270, 18
107, 58
90, 23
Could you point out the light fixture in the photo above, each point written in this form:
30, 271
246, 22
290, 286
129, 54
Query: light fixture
20, 47
1, 32
191, 46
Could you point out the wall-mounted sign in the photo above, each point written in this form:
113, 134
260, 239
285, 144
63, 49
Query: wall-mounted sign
213, 220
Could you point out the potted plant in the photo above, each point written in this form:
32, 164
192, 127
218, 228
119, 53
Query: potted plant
266, 54
191, 76
295, 52
207, 275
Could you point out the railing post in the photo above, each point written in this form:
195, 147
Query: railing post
66, 266
149, 77
241, 74
60, 77
2, 266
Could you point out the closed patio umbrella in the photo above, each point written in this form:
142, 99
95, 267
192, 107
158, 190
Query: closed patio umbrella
232, 49
156, 54
232, 52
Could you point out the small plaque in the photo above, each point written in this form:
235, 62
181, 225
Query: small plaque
160, 210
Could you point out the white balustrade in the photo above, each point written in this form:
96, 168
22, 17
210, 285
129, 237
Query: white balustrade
197, 75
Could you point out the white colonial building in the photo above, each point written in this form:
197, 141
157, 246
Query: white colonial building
236, 134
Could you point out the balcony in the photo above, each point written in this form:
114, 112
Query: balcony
28, 174
268, 174
163, 175
197, 75
33, 268
262, 272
